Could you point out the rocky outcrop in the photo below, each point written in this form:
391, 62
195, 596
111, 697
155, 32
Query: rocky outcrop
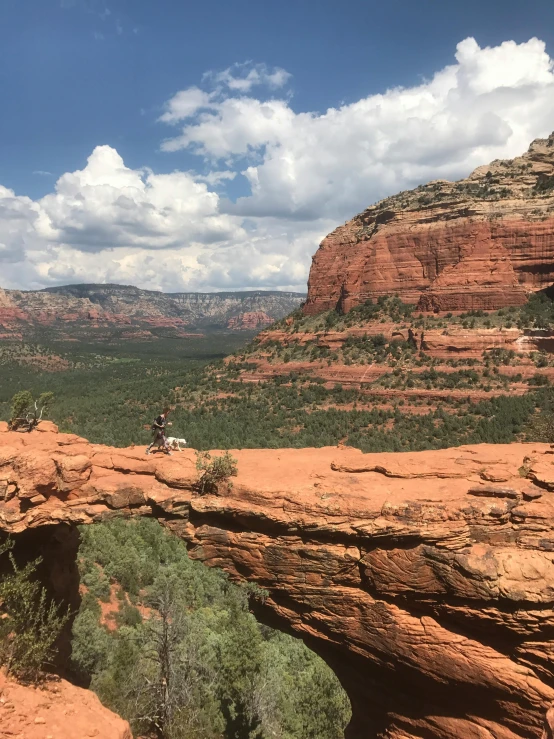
252, 321
85, 308
55, 709
426, 580
445, 346
441, 343
481, 243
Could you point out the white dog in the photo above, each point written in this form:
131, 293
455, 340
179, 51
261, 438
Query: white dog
176, 444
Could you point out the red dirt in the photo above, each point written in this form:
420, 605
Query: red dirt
55, 710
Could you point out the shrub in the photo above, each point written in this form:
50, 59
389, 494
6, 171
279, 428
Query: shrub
538, 380
214, 470
30, 623
27, 412
21, 402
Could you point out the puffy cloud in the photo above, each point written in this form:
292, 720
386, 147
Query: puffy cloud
490, 104
240, 78
216, 178
305, 172
509, 65
18, 216
108, 205
185, 104
109, 223
236, 127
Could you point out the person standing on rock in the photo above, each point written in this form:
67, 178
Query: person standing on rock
158, 429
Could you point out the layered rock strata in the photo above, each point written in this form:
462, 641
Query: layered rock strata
470, 345
251, 321
86, 307
481, 243
426, 580
439, 343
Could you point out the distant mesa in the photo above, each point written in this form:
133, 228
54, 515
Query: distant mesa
482, 243
97, 311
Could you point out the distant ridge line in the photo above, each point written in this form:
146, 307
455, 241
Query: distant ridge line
219, 293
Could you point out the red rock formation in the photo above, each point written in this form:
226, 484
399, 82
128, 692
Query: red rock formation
79, 308
453, 342
10, 314
426, 580
481, 243
249, 321
55, 709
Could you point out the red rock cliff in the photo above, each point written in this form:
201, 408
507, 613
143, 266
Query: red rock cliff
481, 243
426, 580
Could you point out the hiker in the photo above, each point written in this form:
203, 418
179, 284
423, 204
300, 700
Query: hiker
158, 428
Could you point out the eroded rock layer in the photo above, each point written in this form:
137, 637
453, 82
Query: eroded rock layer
479, 244
78, 309
426, 580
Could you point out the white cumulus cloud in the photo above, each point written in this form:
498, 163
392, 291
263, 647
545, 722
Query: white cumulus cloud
303, 173
489, 104
185, 104
108, 205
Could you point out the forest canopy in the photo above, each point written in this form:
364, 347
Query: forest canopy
178, 625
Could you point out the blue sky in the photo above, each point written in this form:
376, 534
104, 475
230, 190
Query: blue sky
79, 74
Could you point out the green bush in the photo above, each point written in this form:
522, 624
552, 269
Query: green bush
30, 623
538, 380
26, 411
214, 470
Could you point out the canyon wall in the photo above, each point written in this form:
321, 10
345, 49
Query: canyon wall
80, 308
425, 580
478, 244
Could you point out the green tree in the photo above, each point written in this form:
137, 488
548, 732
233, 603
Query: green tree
21, 402
27, 412
197, 664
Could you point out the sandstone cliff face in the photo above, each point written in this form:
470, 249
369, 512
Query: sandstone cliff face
426, 580
481, 243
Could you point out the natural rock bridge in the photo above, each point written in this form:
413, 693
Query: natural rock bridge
425, 580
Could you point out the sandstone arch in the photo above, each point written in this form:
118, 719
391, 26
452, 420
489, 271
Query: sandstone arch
425, 580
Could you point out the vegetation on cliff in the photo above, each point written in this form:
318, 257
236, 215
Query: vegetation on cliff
412, 401
112, 398
537, 312
172, 646
30, 623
